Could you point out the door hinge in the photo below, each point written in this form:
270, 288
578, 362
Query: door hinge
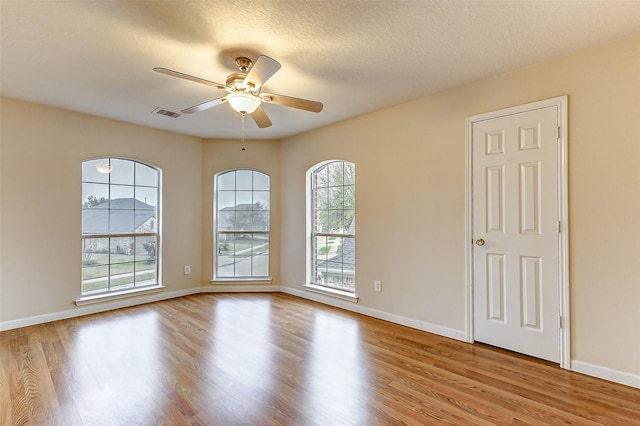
559, 227
558, 132
560, 322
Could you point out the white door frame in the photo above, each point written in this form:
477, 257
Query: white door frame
561, 103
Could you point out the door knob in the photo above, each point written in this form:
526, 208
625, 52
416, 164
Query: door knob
480, 242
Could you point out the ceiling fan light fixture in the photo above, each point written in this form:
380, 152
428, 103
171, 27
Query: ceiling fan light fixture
243, 102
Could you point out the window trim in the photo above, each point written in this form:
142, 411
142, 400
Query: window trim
252, 279
132, 291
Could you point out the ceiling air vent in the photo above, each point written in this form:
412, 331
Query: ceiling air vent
166, 112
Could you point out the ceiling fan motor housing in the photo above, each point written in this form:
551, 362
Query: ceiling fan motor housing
243, 63
235, 82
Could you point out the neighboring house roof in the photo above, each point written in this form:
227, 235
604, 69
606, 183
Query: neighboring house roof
120, 215
243, 206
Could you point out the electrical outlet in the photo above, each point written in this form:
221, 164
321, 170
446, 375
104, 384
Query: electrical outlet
377, 286
187, 269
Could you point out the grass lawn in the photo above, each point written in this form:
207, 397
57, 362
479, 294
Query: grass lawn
120, 264
96, 277
119, 281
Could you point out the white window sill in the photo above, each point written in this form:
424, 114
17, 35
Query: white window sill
242, 281
340, 294
107, 297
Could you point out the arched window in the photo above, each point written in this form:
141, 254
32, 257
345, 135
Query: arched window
241, 223
333, 225
120, 214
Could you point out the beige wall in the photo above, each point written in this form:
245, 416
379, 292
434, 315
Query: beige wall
410, 168
222, 155
42, 151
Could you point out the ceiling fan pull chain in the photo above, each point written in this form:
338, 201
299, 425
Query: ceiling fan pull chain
243, 114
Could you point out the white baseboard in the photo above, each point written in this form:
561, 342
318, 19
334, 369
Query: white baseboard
605, 373
396, 319
95, 308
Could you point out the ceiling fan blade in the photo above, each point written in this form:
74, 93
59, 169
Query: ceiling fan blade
189, 77
260, 117
261, 71
204, 105
289, 101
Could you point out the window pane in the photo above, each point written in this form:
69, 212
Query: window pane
146, 197
145, 249
95, 195
322, 249
121, 221
323, 222
145, 273
95, 251
95, 264
146, 175
261, 200
349, 250
225, 244
321, 272
145, 221
244, 179
336, 221
260, 220
243, 200
335, 254
227, 220
90, 171
226, 255
260, 181
244, 220
95, 221
349, 222
349, 173
322, 199
121, 197
121, 276
95, 279
336, 197
227, 181
349, 269
122, 171
146, 261
260, 261
226, 199
322, 177
121, 250
350, 197
335, 174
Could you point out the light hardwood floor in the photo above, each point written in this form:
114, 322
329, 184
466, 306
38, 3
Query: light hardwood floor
253, 359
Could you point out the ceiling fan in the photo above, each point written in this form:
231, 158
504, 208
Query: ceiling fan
244, 90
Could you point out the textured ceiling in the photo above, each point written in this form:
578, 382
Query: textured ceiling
354, 56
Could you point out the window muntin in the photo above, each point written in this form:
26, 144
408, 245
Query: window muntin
242, 200
333, 225
120, 213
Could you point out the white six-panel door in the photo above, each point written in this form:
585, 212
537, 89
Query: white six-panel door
515, 227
